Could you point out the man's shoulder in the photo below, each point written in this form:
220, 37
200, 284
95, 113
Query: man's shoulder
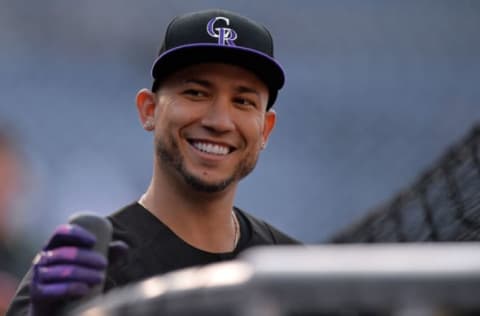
134, 216
133, 224
265, 233
125, 212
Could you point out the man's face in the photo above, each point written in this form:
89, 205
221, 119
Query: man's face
210, 123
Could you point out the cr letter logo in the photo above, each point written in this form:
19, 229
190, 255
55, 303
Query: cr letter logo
226, 36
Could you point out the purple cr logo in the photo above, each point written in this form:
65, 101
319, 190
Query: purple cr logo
225, 35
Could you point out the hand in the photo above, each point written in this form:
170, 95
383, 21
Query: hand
67, 269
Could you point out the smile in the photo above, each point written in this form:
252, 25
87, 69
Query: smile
209, 148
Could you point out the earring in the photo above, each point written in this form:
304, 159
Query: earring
263, 145
148, 125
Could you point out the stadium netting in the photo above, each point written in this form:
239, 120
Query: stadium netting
443, 203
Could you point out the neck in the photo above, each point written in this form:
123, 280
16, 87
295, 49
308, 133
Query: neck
203, 220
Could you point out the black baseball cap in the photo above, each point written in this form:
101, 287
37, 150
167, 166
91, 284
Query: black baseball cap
219, 36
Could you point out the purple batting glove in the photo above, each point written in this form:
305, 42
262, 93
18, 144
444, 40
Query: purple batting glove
66, 269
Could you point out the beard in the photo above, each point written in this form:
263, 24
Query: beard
169, 153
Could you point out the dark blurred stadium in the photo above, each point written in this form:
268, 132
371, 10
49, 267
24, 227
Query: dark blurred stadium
375, 92
377, 139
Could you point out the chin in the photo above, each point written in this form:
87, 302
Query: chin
207, 186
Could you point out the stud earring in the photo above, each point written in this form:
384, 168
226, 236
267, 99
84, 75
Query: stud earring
148, 125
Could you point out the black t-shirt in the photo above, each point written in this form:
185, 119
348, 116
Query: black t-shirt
155, 249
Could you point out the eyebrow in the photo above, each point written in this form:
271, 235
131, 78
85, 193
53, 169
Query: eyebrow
208, 84
201, 82
243, 89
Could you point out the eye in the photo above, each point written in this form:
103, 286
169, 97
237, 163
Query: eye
245, 101
195, 93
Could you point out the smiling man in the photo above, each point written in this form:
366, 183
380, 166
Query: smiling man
209, 110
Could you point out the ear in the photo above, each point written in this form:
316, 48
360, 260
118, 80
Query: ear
269, 124
146, 104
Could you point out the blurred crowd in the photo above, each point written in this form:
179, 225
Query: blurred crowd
16, 252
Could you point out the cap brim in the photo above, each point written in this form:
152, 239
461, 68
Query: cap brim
266, 68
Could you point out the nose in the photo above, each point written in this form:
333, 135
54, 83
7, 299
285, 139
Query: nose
218, 117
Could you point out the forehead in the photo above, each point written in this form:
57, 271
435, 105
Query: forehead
219, 72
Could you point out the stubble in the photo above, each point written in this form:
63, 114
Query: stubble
168, 152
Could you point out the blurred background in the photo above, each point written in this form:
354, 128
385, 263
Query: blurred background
375, 91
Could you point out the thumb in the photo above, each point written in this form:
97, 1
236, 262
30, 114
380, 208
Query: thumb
117, 252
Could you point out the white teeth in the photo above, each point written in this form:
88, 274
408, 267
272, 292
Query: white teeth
211, 149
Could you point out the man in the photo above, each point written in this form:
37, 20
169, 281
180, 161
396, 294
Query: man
209, 109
